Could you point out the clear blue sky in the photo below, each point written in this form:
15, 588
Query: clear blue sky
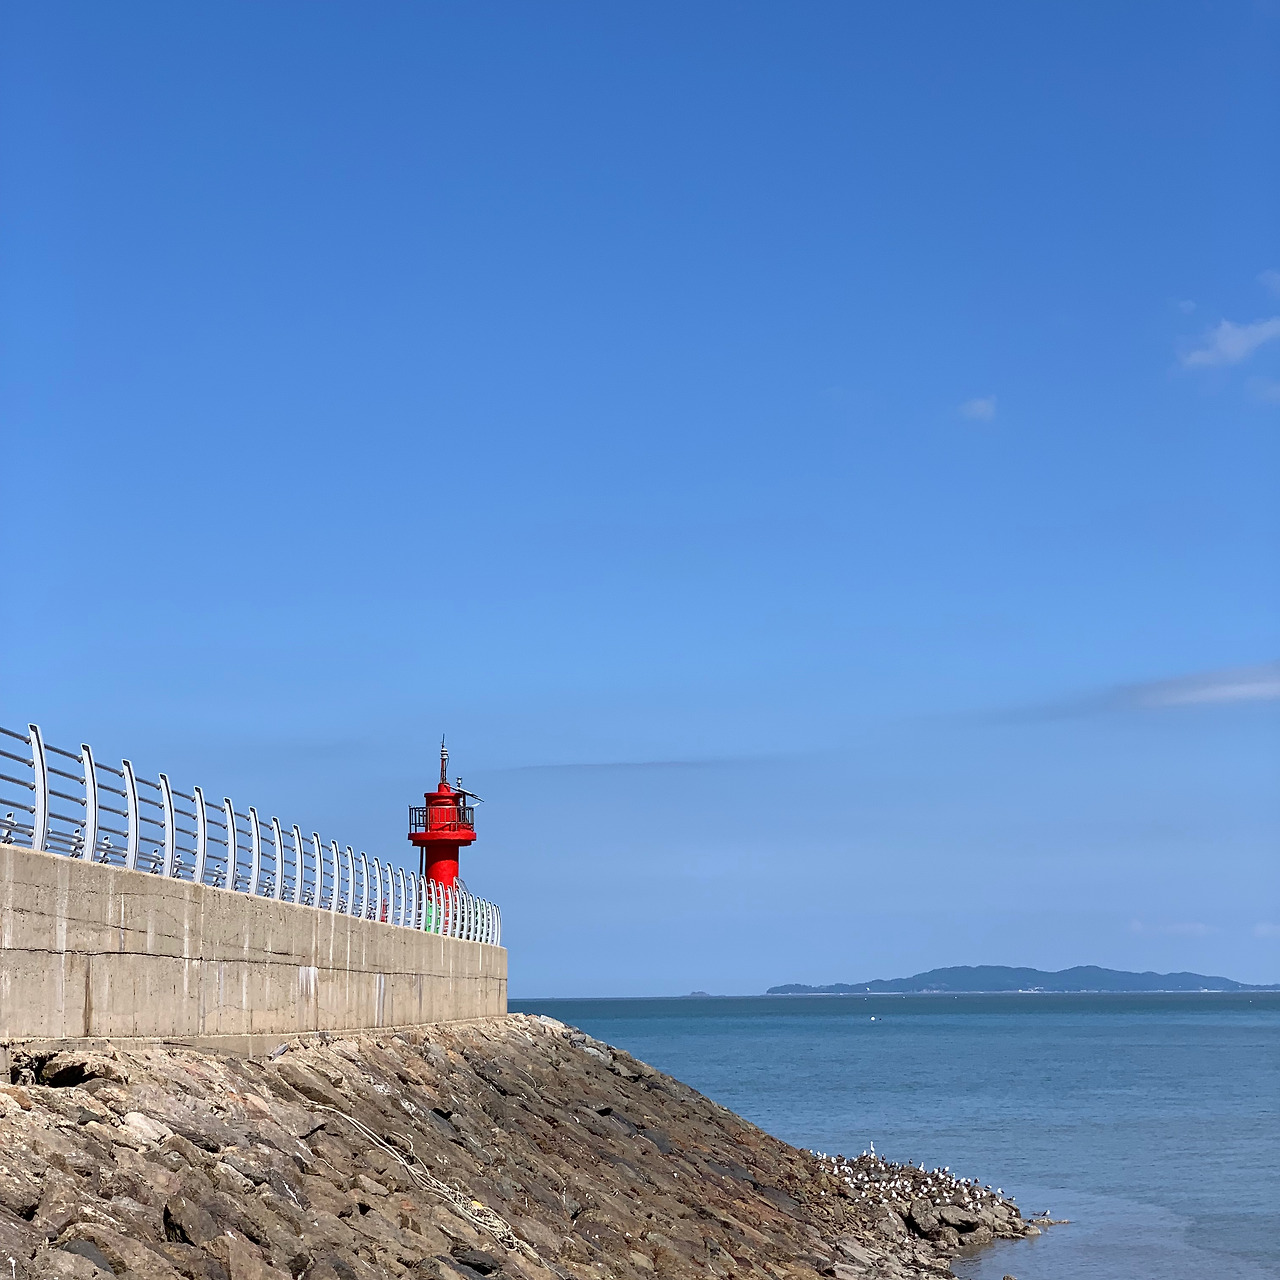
818, 462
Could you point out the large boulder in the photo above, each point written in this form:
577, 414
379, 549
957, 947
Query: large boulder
923, 1216
962, 1219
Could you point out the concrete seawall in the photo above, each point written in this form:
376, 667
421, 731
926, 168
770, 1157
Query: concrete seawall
90, 951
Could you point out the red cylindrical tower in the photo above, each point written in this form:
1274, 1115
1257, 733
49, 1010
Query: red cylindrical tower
442, 826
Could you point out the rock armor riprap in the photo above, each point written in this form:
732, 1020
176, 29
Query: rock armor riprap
513, 1148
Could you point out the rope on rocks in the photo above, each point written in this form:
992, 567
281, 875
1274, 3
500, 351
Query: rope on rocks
479, 1215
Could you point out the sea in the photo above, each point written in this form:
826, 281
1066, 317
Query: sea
1152, 1122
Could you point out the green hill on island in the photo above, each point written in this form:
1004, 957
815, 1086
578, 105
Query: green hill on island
978, 979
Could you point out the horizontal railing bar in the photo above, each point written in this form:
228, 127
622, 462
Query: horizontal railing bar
62, 817
106, 768
182, 795
71, 755
115, 791
184, 813
155, 822
8, 755
71, 777
62, 795
106, 808
13, 733
146, 782
17, 804
114, 832
19, 782
155, 804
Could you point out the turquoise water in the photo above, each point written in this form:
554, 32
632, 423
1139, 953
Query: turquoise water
1150, 1121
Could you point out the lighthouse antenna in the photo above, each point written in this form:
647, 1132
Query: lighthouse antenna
444, 761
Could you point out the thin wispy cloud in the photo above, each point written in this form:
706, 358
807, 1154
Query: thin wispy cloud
1226, 687
980, 409
1266, 929
1230, 343
633, 766
1238, 684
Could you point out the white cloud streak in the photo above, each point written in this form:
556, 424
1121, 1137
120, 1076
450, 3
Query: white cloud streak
1230, 343
1238, 684
981, 408
1233, 686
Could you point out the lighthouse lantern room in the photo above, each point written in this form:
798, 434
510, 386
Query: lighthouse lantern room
442, 826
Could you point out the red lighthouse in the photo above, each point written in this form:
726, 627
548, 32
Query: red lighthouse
442, 826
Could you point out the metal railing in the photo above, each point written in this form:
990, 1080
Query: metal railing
77, 806
438, 817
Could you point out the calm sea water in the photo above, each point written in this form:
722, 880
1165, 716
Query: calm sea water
1153, 1122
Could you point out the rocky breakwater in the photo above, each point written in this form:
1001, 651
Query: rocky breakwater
513, 1148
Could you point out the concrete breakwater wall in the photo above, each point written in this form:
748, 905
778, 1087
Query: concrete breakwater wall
92, 951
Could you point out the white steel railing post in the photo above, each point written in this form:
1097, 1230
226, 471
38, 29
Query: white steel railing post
255, 851
89, 839
297, 864
404, 901
364, 885
202, 835
351, 881
497, 916
170, 841
319, 861
40, 769
131, 803
333, 896
278, 837
377, 902
233, 851
411, 915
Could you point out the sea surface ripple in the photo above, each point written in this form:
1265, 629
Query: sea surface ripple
1151, 1121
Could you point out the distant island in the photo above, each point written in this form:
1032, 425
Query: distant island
984, 978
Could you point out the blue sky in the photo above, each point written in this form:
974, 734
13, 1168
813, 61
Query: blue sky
818, 463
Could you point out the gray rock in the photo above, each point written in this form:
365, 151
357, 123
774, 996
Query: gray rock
954, 1216
90, 1251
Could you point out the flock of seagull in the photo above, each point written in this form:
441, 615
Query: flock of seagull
878, 1181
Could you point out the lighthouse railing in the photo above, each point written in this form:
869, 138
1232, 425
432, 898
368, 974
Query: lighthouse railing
71, 803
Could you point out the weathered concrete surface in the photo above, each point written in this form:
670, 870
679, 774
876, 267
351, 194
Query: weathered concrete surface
94, 951
506, 1149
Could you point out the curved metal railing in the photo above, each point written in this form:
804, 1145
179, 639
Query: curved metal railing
117, 817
